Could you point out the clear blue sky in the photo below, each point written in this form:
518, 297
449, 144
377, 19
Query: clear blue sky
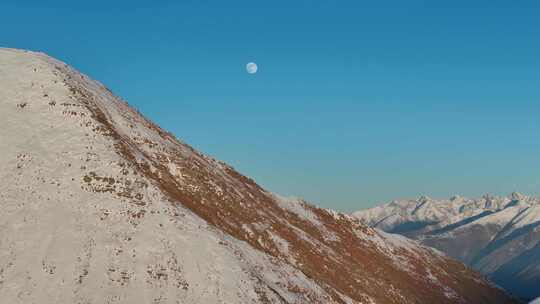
355, 102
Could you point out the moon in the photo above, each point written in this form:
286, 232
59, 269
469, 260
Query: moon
251, 68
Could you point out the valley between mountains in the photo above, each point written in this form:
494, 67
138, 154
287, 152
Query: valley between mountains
498, 236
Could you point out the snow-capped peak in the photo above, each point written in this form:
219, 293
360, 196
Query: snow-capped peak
100, 205
499, 236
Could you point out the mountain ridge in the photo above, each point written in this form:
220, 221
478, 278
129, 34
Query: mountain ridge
102, 205
498, 236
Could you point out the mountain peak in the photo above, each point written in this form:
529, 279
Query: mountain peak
517, 196
456, 197
424, 199
498, 236
99, 204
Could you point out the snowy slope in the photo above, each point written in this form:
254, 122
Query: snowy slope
500, 236
537, 301
100, 205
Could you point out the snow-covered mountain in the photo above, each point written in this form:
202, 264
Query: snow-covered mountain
537, 301
100, 205
499, 236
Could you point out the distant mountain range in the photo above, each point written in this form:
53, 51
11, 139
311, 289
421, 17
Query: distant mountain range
499, 236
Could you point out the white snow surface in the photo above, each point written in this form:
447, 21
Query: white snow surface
437, 214
65, 237
172, 256
490, 234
